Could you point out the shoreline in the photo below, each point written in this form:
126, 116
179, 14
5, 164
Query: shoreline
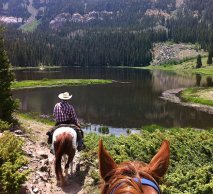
172, 96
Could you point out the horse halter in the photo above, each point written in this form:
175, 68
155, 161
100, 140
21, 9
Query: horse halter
143, 181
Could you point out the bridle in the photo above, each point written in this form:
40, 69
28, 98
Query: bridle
143, 181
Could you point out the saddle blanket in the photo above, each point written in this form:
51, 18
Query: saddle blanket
69, 130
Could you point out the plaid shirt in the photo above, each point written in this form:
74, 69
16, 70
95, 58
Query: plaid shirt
63, 111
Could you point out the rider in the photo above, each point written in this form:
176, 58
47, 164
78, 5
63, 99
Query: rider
64, 113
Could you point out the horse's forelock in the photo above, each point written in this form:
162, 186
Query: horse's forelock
131, 169
123, 176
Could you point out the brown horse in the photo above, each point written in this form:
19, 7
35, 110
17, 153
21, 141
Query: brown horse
63, 141
133, 177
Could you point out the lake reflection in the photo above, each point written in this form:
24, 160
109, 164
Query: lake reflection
130, 103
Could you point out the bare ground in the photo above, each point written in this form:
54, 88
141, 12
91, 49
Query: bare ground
41, 163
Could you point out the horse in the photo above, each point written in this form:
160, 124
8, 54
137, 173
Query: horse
64, 142
133, 177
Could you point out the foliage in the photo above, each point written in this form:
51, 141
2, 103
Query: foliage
128, 131
7, 105
103, 130
191, 166
125, 38
11, 160
4, 126
89, 47
152, 128
209, 60
199, 62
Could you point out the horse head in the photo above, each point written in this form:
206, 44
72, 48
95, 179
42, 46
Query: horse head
133, 177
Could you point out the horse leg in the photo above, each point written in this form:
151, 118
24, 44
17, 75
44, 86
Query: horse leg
66, 168
71, 168
58, 169
70, 160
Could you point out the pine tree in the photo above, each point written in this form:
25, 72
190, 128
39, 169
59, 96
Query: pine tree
7, 104
199, 62
209, 60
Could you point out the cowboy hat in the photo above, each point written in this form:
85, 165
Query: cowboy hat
65, 96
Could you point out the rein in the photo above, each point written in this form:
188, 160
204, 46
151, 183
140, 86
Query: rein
143, 181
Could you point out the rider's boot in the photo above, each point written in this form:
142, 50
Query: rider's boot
80, 141
50, 135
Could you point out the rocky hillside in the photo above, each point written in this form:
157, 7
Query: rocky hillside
170, 52
148, 13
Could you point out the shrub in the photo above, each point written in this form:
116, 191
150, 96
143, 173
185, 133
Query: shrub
199, 61
190, 169
4, 126
128, 131
11, 160
103, 130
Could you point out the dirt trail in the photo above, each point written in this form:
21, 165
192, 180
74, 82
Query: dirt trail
41, 163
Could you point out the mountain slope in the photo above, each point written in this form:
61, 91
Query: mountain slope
114, 13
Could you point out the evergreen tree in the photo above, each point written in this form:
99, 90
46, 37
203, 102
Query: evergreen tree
199, 62
7, 104
209, 60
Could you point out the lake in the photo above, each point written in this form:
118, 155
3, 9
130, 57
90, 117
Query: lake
131, 102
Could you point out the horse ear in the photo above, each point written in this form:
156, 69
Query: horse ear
160, 162
106, 162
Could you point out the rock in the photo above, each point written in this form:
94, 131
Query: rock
35, 181
46, 162
29, 153
44, 168
41, 185
43, 175
23, 168
42, 144
35, 190
42, 155
18, 132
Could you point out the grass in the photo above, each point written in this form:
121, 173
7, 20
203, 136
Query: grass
31, 27
185, 66
198, 95
56, 82
37, 67
37, 117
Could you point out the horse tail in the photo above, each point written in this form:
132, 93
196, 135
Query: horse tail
59, 146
